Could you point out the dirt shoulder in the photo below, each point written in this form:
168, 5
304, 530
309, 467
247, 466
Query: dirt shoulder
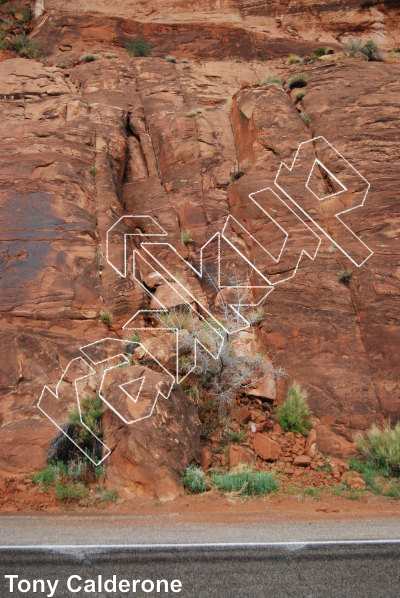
23, 497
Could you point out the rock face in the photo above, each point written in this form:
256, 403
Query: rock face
232, 27
130, 118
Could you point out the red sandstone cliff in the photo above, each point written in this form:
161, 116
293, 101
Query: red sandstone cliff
128, 116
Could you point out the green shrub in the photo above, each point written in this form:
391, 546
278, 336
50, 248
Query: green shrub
194, 479
293, 59
319, 52
187, 237
138, 47
105, 317
25, 47
93, 170
63, 475
171, 59
89, 58
304, 117
272, 80
293, 414
371, 51
237, 435
330, 51
92, 414
368, 51
299, 95
245, 482
382, 447
69, 491
357, 465
345, 275
191, 113
299, 80
44, 477
69, 471
369, 469
376, 475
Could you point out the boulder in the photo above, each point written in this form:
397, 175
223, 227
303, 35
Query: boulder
311, 444
302, 461
149, 457
205, 458
239, 455
265, 388
330, 443
265, 448
245, 415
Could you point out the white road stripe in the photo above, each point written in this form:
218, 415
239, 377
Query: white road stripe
299, 544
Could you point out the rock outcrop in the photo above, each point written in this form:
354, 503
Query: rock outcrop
149, 459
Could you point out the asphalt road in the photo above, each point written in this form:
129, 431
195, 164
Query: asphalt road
78, 529
232, 560
212, 571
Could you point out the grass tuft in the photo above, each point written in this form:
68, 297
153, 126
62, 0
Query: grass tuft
345, 275
70, 491
44, 477
105, 317
293, 59
299, 80
89, 58
256, 315
272, 80
299, 95
245, 481
187, 237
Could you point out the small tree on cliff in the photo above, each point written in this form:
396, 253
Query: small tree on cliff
230, 372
